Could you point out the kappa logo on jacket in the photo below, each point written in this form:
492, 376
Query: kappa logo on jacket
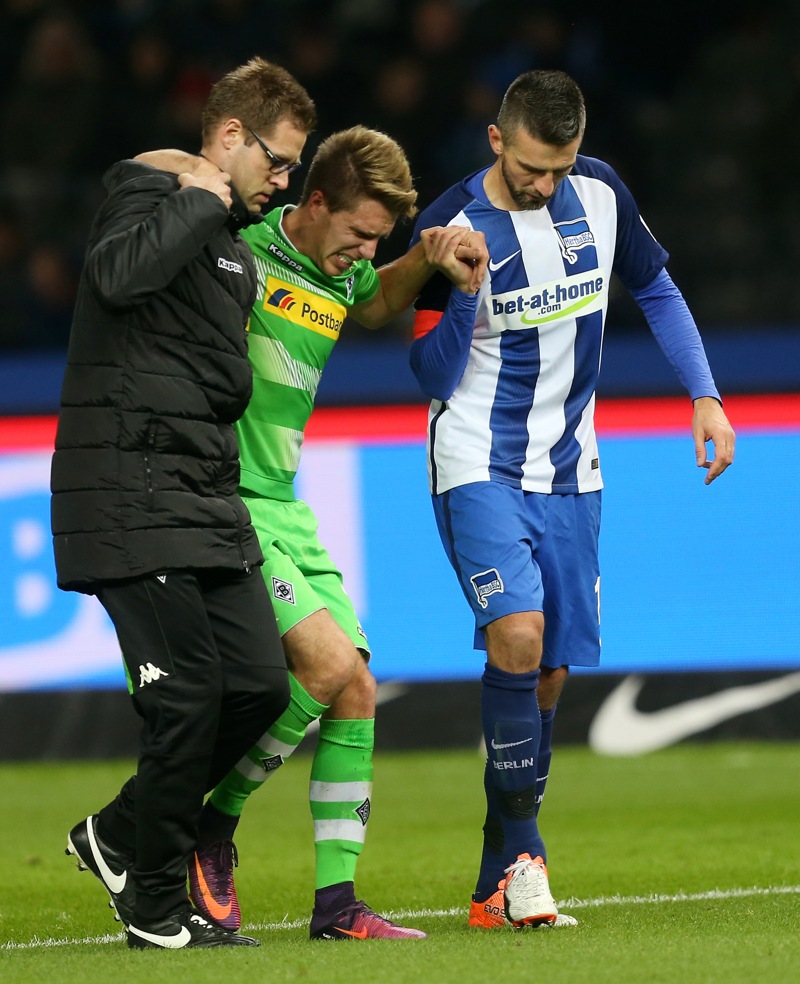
230, 265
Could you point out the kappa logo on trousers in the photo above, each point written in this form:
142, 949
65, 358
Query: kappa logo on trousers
149, 673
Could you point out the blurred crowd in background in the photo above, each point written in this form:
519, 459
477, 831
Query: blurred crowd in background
698, 112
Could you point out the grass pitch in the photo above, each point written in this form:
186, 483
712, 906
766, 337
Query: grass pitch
681, 865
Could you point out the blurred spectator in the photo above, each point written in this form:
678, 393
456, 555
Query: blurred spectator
16, 20
314, 54
54, 99
218, 34
51, 132
50, 285
137, 108
694, 112
466, 146
437, 30
13, 328
183, 108
723, 120
37, 289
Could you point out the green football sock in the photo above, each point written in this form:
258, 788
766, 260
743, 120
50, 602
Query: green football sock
339, 793
269, 753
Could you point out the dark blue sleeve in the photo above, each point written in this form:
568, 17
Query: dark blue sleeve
638, 257
439, 358
675, 331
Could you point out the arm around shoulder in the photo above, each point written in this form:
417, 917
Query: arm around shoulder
177, 162
148, 231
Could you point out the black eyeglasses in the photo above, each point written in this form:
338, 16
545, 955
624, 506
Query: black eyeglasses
277, 166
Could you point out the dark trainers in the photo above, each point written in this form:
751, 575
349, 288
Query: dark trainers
184, 929
111, 867
211, 884
359, 922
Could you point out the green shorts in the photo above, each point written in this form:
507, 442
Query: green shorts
301, 577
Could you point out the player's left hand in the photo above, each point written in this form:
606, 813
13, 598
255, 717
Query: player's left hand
709, 423
472, 250
459, 252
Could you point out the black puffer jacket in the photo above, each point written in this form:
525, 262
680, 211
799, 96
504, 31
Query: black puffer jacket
146, 466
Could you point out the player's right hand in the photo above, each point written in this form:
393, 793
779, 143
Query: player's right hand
218, 183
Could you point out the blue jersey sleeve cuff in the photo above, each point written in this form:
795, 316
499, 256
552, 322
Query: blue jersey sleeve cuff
439, 358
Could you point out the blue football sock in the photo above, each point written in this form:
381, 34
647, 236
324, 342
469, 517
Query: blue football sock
545, 754
512, 731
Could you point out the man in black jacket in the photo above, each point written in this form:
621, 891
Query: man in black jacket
145, 511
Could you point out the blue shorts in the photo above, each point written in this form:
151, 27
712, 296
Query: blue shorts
516, 551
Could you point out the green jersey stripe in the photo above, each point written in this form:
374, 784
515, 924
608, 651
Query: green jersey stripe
272, 362
294, 324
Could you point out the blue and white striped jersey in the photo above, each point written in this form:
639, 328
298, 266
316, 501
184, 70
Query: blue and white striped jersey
522, 412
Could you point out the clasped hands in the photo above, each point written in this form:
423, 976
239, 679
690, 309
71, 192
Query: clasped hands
458, 252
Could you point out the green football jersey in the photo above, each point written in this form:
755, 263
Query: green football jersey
294, 324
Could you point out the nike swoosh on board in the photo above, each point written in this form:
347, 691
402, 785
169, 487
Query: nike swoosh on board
215, 910
115, 883
494, 267
619, 728
175, 942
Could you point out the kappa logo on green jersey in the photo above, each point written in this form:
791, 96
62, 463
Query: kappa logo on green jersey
320, 314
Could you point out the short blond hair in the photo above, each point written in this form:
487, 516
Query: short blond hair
362, 163
260, 94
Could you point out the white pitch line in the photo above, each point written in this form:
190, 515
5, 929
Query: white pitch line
717, 893
572, 903
50, 942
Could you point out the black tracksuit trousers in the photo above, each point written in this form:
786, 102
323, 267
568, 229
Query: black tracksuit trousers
207, 675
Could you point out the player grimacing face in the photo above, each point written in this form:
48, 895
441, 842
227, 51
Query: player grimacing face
531, 170
343, 237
